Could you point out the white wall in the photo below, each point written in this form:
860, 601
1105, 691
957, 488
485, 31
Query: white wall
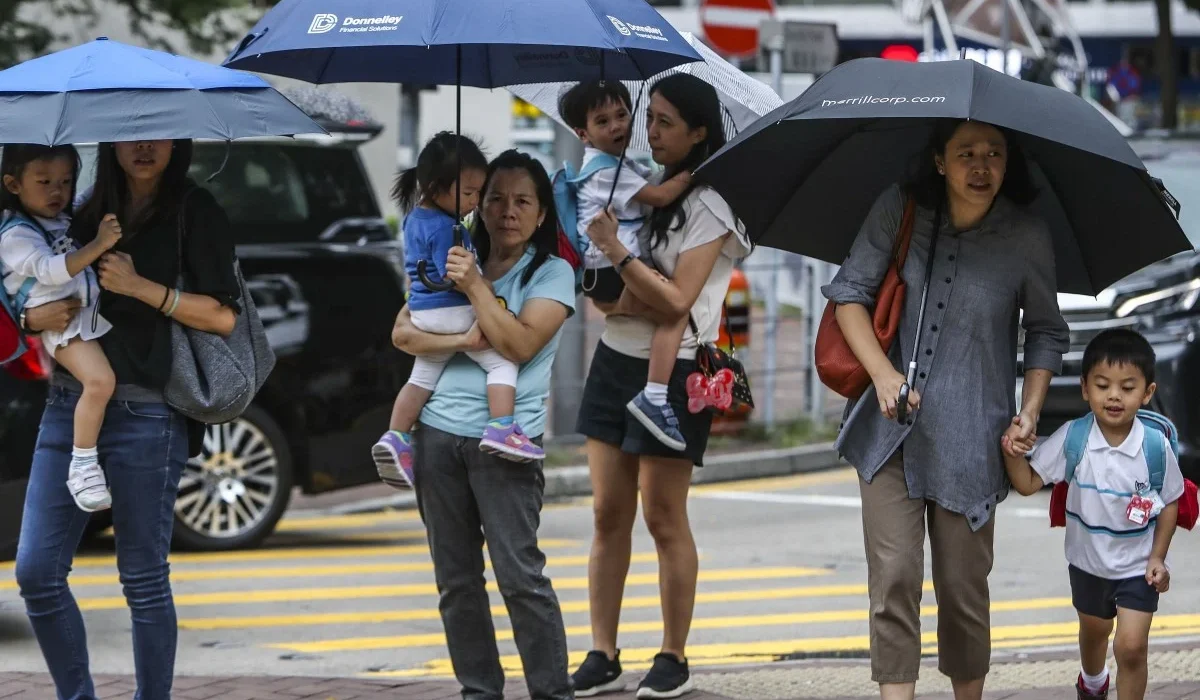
486, 113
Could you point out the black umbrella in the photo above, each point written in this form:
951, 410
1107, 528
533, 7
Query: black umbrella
803, 177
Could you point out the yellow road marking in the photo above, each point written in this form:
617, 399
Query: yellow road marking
1014, 636
292, 595
700, 623
308, 571
571, 606
284, 553
348, 522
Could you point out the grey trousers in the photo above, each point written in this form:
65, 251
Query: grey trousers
467, 497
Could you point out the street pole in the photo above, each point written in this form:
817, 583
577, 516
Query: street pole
1006, 32
410, 127
775, 49
569, 372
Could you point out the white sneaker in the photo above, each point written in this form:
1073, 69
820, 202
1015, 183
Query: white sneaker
89, 488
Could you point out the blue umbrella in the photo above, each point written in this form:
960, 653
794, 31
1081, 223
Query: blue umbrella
480, 43
108, 91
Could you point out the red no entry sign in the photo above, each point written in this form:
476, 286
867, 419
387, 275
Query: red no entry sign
731, 26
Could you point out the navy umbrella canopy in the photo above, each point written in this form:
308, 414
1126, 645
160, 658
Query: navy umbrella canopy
803, 177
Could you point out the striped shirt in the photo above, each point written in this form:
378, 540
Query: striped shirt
1100, 538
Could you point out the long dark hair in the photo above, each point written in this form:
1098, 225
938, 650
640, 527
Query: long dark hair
545, 237
111, 193
928, 187
437, 169
699, 106
18, 156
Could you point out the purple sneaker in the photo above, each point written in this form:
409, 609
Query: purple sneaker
393, 456
510, 443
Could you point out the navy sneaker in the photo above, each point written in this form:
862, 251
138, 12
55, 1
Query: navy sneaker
598, 674
659, 420
667, 678
1082, 693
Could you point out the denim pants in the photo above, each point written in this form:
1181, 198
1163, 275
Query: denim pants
143, 448
467, 497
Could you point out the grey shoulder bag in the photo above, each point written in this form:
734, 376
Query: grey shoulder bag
214, 379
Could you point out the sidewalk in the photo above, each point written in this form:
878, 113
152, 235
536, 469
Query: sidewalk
1045, 676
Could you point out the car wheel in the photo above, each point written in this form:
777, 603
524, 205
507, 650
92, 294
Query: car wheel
234, 493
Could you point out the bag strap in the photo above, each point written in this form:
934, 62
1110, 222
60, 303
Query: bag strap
182, 230
1155, 451
1078, 431
904, 235
23, 294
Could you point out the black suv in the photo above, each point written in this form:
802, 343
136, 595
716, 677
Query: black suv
327, 276
1159, 301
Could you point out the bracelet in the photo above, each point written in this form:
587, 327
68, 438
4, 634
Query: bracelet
166, 295
173, 304
620, 267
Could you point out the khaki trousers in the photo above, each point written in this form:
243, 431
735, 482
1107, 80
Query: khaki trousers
894, 531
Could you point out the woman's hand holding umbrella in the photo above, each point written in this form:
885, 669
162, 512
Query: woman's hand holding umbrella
887, 391
462, 270
602, 230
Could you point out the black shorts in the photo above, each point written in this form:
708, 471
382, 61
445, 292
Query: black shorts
613, 380
1100, 597
603, 285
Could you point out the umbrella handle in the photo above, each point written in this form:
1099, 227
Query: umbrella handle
423, 266
902, 404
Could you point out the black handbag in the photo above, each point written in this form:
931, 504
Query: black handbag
712, 363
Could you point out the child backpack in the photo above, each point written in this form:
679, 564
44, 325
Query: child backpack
566, 182
12, 338
1158, 429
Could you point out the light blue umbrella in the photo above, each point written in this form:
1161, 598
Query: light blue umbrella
108, 91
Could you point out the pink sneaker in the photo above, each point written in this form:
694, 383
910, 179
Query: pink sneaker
510, 443
393, 456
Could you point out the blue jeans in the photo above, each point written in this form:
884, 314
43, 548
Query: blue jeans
143, 448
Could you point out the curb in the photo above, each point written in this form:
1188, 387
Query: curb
572, 482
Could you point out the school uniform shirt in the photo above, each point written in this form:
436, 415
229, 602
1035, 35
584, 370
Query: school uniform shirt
593, 197
1100, 538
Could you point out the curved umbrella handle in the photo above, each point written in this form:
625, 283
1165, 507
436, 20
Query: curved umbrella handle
902, 404
443, 286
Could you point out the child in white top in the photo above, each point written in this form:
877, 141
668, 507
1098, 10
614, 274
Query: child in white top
1117, 556
39, 183
599, 113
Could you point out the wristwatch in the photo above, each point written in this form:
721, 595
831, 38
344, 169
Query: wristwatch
620, 267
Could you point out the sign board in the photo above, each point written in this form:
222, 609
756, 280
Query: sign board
731, 26
808, 47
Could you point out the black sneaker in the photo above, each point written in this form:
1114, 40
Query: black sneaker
597, 674
667, 678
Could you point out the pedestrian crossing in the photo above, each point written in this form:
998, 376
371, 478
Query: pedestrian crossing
319, 593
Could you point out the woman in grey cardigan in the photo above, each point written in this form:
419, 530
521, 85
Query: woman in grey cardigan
942, 468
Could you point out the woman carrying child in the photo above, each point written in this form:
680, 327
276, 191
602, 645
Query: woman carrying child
521, 297
143, 443
689, 250
450, 167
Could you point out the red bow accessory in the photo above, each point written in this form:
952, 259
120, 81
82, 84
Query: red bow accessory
704, 392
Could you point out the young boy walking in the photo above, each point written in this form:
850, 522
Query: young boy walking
1118, 526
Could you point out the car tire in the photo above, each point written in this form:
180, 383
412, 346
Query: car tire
233, 495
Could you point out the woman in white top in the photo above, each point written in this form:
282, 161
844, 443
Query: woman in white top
694, 242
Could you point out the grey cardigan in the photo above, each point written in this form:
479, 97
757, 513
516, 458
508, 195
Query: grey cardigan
982, 278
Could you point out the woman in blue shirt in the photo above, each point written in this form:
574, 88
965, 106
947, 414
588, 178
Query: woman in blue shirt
467, 497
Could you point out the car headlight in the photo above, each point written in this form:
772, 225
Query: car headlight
1174, 299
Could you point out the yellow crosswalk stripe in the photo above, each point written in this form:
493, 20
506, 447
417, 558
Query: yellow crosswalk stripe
568, 607
285, 553
1012, 636
292, 595
700, 623
312, 571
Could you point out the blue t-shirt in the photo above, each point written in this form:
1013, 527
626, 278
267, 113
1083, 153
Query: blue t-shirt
459, 405
429, 236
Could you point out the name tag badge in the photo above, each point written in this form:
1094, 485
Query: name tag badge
1138, 510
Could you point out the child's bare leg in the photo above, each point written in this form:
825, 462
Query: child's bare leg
650, 407
85, 360
407, 409
1093, 650
87, 363
1130, 648
664, 348
502, 400
393, 453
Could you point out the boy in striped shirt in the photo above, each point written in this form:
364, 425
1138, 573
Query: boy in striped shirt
1116, 542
